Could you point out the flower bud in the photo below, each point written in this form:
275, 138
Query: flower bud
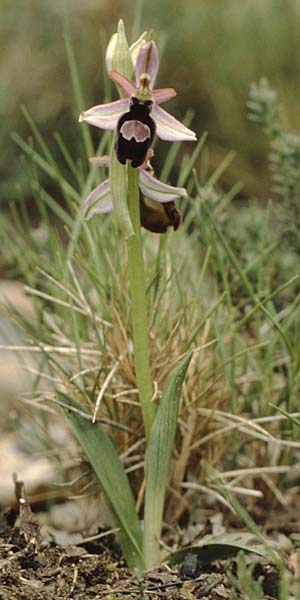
118, 57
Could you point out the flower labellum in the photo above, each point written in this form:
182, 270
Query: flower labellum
157, 217
136, 130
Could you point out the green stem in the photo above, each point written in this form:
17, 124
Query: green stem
139, 304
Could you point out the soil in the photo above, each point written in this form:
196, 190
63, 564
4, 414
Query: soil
34, 569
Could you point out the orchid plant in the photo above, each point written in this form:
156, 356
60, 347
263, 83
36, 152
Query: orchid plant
137, 198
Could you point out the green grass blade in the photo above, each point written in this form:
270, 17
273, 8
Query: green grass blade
219, 547
244, 279
46, 167
240, 511
286, 414
185, 172
77, 90
108, 468
158, 460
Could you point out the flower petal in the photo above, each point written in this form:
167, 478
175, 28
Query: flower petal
157, 190
147, 62
164, 95
135, 47
99, 201
100, 161
168, 128
125, 84
105, 116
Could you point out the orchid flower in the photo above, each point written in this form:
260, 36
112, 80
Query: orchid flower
158, 210
138, 116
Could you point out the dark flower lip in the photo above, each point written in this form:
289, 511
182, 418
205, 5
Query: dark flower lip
174, 215
157, 217
136, 130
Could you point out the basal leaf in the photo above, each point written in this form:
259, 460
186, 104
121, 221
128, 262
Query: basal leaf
219, 548
158, 460
109, 470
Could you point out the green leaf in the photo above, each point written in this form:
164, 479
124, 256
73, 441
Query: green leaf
158, 460
291, 418
242, 513
121, 60
109, 470
219, 548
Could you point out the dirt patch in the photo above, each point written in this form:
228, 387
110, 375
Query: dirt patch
32, 571
33, 567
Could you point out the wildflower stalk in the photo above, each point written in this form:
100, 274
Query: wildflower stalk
135, 118
118, 186
139, 303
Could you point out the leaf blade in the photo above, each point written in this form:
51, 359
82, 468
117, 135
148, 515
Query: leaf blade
220, 547
158, 460
109, 470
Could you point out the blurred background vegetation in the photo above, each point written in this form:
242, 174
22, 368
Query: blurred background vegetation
212, 51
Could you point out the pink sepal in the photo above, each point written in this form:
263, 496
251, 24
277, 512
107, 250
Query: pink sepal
100, 161
169, 129
157, 190
147, 62
105, 116
125, 84
164, 95
99, 201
